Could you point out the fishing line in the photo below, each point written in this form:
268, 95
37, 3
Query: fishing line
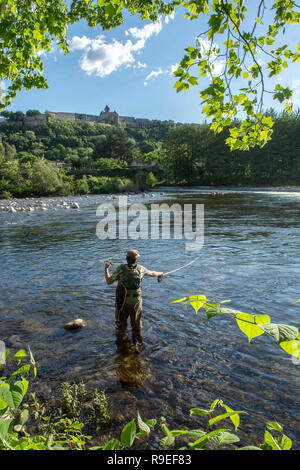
159, 278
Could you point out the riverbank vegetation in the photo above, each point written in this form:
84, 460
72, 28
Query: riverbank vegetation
28, 424
64, 157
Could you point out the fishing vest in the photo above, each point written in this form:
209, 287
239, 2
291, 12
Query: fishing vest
131, 277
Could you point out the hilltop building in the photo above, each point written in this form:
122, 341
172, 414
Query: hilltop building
105, 117
109, 117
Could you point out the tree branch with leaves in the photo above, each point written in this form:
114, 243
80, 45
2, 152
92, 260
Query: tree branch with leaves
238, 33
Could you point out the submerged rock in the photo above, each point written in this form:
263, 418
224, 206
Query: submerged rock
75, 324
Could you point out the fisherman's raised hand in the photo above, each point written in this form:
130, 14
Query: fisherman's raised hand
108, 264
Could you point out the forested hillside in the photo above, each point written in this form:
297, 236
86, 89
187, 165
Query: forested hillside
101, 158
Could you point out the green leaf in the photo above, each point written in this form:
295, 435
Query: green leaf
212, 312
4, 427
24, 416
225, 437
281, 332
248, 324
197, 301
111, 10
22, 370
179, 300
165, 429
195, 433
4, 355
188, 433
167, 440
23, 385
214, 404
3, 405
193, 81
32, 361
177, 432
151, 423
12, 395
215, 22
200, 411
199, 443
223, 416
286, 443
128, 434
271, 442
142, 425
274, 426
235, 418
19, 355
291, 347
113, 444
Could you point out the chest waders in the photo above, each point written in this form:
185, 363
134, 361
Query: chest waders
129, 302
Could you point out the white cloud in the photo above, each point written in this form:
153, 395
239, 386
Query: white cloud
102, 59
146, 31
80, 42
139, 45
155, 73
141, 65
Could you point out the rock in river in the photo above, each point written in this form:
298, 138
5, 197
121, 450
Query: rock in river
75, 324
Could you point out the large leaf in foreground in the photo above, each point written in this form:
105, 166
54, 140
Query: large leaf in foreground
292, 347
249, 324
281, 332
11, 395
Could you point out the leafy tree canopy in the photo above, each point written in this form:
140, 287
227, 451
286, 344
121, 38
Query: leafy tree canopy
235, 35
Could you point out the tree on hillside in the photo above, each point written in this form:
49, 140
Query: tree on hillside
33, 112
43, 177
116, 144
183, 149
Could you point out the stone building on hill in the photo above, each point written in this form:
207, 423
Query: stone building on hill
109, 117
106, 117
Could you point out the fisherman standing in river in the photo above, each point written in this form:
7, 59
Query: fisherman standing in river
129, 295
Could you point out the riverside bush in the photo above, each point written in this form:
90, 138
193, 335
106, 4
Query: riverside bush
66, 433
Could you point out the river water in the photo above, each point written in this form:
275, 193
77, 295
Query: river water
52, 271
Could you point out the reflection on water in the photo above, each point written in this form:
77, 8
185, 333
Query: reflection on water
52, 271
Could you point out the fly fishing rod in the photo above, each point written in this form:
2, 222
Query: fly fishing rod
159, 278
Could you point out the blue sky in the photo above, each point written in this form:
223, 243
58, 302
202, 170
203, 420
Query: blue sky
128, 68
